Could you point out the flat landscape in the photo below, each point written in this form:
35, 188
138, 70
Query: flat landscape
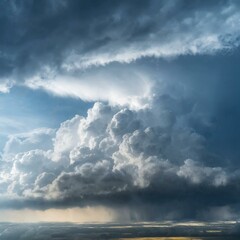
137, 231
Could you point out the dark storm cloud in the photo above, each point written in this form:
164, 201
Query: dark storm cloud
42, 39
210, 87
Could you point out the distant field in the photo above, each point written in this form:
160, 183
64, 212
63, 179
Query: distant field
138, 231
180, 238
163, 238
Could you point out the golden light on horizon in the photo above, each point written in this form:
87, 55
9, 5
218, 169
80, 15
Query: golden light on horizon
75, 215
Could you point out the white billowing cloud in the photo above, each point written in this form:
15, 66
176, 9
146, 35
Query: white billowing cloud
110, 151
37, 139
26, 170
66, 138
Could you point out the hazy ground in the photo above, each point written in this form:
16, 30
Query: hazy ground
140, 231
170, 238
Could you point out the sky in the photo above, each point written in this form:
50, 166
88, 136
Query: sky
125, 109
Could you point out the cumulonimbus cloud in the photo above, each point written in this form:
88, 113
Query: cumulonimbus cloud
143, 146
112, 153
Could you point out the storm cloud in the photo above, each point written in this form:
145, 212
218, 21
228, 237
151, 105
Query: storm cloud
116, 156
161, 140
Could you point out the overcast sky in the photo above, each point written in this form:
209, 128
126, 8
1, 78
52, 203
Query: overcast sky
131, 107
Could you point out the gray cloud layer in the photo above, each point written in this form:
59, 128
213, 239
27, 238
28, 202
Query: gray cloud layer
48, 44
